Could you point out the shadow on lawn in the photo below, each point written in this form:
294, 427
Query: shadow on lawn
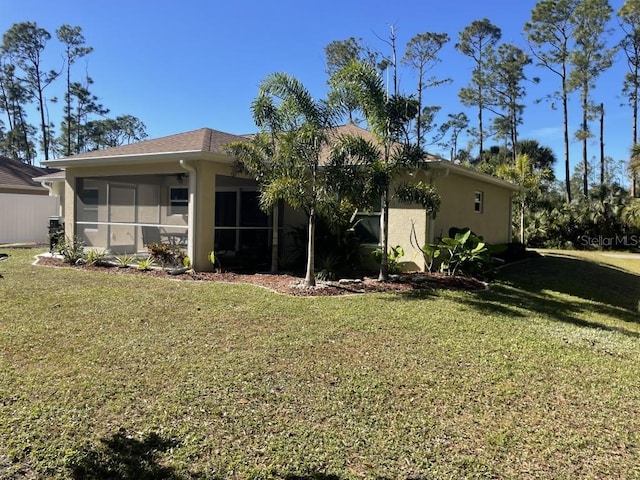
613, 292
122, 456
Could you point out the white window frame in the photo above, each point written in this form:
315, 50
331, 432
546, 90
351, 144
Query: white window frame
372, 215
182, 205
478, 201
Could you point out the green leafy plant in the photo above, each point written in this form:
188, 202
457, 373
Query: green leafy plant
326, 266
393, 257
124, 261
215, 261
146, 264
431, 253
465, 252
71, 249
96, 257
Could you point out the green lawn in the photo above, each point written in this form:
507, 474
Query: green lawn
126, 376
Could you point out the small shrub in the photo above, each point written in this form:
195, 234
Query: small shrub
146, 264
96, 257
462, 252
124, 261
71, 249
430, 253
165, 254
393, 257
327, 266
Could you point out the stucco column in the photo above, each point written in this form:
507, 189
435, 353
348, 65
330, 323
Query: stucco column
70, 204
202, 197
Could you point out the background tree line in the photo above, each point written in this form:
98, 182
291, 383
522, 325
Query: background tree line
26, 81
571, 41
567, 37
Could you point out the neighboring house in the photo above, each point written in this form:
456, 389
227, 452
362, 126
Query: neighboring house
25, 203
183, 188
17, 177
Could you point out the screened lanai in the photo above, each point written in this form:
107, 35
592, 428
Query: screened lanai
124, 214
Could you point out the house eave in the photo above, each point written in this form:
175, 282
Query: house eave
467, 172
26, 188
159, 157
49, 179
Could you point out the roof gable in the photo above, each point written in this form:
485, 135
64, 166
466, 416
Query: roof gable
18, 174
201, 140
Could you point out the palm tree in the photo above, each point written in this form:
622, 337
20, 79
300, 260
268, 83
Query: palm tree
388, 118
284, 156
523, 175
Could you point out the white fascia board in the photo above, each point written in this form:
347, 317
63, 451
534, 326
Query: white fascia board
467, 172
137, 159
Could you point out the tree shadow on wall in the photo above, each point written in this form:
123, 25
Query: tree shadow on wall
123, 457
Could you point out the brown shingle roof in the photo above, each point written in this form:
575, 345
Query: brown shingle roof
356, 131
16, 173
201, 140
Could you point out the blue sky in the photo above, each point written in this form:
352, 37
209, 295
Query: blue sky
180, 66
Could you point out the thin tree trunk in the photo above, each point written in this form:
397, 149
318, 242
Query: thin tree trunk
43, 124
384, 238
23, 127
310, 277
274, 238
514, 136
68, 110
634, 178
565, 121
585, 157
522, 239
480, 126
419, 121
601, 144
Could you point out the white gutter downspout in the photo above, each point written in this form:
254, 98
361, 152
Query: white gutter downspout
49, 187
191, 210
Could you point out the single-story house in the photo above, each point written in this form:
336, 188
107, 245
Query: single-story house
183, 189
25, 203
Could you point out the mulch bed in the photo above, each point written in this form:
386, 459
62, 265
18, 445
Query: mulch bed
293, 285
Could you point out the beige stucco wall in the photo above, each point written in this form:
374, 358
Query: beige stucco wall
408, 223
57, 190
202, 198
457, 209
457, 194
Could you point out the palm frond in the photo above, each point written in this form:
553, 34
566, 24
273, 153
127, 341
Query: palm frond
353, 150
362, 82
